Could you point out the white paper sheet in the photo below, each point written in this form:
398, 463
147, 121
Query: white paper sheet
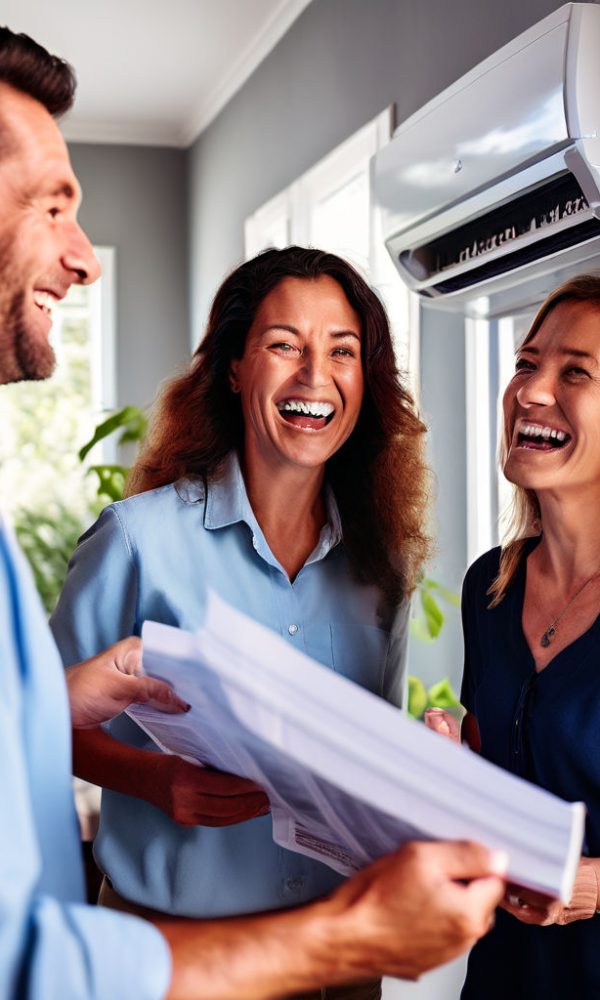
348, 776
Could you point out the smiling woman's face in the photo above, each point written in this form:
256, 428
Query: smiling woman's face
300, 377
552, 404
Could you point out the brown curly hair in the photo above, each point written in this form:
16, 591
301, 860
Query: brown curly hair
378, 476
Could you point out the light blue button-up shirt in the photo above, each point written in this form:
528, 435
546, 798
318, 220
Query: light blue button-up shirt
52, 946
153, 556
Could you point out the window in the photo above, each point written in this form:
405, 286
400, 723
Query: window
45, 424
330, 207
490, 353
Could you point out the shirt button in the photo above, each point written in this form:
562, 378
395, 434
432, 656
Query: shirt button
292, 629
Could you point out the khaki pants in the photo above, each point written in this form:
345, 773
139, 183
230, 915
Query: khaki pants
370, 990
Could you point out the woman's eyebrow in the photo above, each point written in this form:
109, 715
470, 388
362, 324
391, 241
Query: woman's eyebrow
346, 333
282, 326
572, 351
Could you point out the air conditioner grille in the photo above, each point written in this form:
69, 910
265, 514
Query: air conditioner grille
562, 240
554, 205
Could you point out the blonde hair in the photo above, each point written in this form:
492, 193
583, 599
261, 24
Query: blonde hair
524, 518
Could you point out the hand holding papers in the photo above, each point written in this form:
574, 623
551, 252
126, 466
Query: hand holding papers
349, 777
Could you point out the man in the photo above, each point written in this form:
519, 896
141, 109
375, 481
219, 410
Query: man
400, 916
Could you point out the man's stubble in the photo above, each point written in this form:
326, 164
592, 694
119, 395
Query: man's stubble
25, 355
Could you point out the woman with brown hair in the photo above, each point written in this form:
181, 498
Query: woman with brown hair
284, 470
532, 633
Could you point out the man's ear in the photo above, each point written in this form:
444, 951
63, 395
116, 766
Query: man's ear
234, 382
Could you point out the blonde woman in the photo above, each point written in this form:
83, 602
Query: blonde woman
531, 683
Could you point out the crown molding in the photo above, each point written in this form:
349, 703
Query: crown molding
121, 133
275, 28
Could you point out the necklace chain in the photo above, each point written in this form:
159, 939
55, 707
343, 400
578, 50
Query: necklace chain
547, 637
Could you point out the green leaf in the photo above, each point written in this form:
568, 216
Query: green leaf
111, 480
449, 596
130, 417
434, 615
136, 427
419, 630
417, 697
48, 539
442, 695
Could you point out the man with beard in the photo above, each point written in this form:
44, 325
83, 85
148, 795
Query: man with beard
402, 915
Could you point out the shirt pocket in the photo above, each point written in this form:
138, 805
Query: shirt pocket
359, 653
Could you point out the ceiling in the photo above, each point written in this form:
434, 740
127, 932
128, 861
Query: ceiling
152, 72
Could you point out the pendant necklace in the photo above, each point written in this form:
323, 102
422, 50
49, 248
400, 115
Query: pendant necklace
547, 637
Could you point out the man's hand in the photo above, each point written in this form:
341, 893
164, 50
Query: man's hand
103, 686
195, 796
532, 908
420, 907
401, 916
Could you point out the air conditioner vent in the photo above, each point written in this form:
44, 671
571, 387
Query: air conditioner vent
558, 204
573, 236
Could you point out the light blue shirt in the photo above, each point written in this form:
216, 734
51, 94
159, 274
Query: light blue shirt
152, 556
52, 945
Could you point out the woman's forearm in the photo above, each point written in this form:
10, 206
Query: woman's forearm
107, 762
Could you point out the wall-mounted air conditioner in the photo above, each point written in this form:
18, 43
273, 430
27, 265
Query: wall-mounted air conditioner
495, 183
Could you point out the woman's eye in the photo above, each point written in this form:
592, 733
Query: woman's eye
577, 372
283, 348
343, 352
523, 365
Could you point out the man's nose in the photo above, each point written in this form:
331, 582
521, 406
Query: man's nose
79, 257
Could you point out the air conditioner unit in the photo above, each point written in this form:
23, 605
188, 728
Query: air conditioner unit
494, 186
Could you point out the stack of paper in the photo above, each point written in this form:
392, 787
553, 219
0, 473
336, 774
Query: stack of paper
348, 776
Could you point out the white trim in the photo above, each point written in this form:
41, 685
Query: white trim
103, 297
128, 133
479, 457
273, 214
274, 29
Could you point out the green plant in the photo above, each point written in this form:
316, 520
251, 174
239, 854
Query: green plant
426, 626
133, 423
48, 540
49, 537
440, 695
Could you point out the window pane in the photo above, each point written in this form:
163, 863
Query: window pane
45, 423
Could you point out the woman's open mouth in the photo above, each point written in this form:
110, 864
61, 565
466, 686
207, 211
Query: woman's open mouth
540, 437
309, 416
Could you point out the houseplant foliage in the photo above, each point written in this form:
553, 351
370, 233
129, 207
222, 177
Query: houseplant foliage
49, 536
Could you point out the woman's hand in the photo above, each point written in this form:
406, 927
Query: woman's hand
532, 908
199, 796
443, 722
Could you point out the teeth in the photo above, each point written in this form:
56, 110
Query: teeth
45, 300
309, 409
537, 431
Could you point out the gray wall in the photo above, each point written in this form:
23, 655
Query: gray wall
341, 63
135, 198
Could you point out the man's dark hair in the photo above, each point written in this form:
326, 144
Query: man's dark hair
30, 68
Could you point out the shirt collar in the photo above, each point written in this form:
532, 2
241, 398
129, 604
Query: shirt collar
227, 503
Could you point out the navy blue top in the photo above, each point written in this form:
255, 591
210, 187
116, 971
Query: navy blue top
546, 727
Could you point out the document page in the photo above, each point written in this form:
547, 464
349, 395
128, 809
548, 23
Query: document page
348, 776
